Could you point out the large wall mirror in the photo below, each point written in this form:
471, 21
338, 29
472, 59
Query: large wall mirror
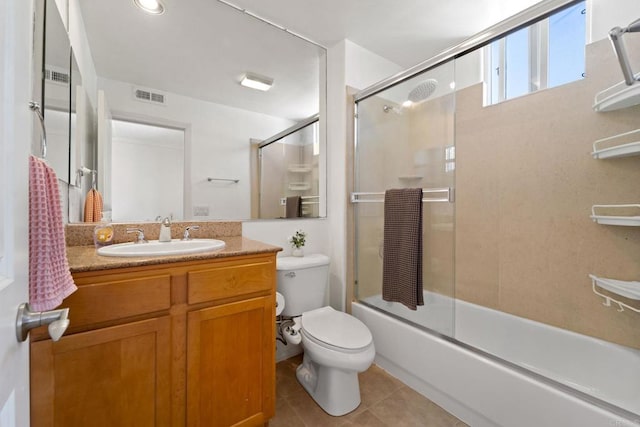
177, 132
67, 110
56, 92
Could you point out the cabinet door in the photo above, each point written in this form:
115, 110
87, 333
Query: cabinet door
230, 364
117, 376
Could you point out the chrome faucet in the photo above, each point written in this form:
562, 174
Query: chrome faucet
187, 229
140, 238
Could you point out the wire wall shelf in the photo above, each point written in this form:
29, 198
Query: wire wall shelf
627, 289
621, 218
299, 168
617, 97
621, 147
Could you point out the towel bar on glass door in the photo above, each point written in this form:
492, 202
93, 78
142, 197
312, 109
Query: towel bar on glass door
360, 197
235, 181
283, 200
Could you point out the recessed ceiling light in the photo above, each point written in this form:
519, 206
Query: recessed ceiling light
150, 6
255, 81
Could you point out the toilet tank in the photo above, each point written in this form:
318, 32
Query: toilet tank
303, 282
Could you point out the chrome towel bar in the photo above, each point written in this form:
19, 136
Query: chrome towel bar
369, 197
223, 179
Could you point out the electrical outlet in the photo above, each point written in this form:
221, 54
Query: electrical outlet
201, 211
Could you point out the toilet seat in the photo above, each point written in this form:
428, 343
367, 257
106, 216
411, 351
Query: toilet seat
336, 329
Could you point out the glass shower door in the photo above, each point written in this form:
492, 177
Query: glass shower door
405, 139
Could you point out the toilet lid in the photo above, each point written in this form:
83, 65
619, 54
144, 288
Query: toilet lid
336, 328
299, 263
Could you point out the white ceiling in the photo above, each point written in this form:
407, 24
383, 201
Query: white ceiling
404, 31
200, 48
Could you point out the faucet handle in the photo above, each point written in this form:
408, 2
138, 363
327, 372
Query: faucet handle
187, 229
140, 238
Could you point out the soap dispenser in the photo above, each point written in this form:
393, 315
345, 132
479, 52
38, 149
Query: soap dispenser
165, 230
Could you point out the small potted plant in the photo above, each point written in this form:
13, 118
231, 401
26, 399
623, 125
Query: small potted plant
297, 242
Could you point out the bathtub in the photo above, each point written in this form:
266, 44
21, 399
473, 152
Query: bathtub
569, 380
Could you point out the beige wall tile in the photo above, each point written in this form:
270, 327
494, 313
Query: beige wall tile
525, 185
476, 217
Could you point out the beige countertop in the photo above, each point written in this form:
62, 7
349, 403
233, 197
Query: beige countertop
85, 258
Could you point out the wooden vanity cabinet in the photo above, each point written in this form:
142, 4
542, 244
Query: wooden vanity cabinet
115, 376
231, 345
182, 344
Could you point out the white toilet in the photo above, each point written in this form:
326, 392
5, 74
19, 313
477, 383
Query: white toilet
336, 345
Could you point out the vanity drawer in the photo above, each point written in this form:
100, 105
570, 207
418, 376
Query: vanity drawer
230, 281
103, 301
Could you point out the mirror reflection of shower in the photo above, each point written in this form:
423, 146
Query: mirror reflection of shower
418, 94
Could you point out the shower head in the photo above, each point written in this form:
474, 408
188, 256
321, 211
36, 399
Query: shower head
423, 90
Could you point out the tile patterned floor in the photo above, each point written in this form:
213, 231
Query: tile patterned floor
385, 402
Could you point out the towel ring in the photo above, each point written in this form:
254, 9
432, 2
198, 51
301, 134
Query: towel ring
35, 107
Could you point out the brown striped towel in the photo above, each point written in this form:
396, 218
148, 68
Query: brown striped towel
293, 207
402, 261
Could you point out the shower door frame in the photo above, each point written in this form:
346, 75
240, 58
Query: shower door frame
520, 20
512, 24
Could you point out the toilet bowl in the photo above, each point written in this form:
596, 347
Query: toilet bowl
336, 345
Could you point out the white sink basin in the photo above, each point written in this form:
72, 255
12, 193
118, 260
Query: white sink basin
156, 248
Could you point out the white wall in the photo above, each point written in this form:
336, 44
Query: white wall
354, 66
150, 178
218, 140
606, 14
277, 232
364, 68
82, 51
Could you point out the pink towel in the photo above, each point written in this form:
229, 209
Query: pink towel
49, 278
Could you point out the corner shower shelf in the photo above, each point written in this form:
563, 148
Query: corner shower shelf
623, 288
299, 186
621, 149
625, 220
299, 168
617, 96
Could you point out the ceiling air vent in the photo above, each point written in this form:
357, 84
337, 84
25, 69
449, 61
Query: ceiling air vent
147, 95
56, 76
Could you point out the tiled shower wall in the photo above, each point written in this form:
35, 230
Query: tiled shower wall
525, 184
